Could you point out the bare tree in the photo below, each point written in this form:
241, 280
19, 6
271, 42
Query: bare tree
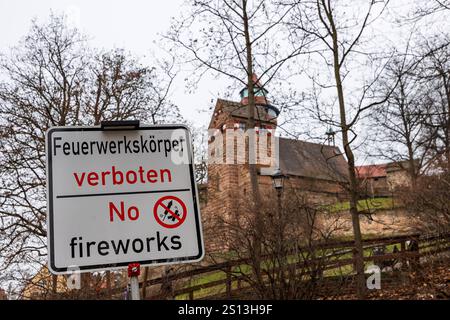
123, 88
45, 77
237, 39
340, 36
429, 203
434, 71
293, 262
427, 8
50, 79
200, 145
400, 130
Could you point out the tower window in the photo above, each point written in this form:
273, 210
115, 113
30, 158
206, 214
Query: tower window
244, 93
271, 112
260, 93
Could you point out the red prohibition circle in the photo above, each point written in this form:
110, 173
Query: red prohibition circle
160, 203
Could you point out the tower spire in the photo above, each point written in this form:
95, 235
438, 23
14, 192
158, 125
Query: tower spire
330, 136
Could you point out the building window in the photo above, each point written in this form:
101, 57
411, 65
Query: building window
271, 113
244, 93
260, 93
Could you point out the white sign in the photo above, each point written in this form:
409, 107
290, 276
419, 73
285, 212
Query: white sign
121, 196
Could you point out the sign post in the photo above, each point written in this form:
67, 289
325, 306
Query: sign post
121, 194
134, 270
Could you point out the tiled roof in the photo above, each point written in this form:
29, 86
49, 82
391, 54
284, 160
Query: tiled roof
371, 171
236, 109
297, 158
312, 160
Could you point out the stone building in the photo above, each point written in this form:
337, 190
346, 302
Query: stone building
373, 180
318, 171
381, 180
397, 175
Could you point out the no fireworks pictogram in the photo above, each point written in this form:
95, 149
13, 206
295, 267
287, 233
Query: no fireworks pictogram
170, 211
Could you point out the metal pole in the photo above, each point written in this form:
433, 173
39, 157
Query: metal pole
134, 270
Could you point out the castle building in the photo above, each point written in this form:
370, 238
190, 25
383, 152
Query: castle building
382, 180
319, 171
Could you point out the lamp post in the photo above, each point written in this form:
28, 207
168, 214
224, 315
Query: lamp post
278, 180
278, 183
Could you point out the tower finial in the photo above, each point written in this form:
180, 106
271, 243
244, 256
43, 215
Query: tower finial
256, 80
261, 102
330, 136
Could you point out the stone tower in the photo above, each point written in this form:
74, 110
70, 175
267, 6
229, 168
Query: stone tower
228, 174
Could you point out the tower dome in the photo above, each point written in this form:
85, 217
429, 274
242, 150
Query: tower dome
260, 94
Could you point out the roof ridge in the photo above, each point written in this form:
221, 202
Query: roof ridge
372, 165
309, 159
309, 142
228, 101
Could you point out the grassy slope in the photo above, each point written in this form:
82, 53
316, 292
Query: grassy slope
366, 204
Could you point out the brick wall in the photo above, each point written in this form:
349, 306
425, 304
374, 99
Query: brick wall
228, 187
381, 223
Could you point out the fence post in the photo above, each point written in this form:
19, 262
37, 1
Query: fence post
228, 283
144, 284
54, 286
403, 257
415, 259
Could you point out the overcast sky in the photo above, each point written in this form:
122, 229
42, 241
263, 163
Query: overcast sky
134, 25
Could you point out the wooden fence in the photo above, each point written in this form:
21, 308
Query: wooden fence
419, 246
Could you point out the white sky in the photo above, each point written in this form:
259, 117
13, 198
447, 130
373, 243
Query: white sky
132, 25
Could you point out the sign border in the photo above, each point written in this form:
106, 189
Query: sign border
110, 266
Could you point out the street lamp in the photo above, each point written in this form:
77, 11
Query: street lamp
278, 180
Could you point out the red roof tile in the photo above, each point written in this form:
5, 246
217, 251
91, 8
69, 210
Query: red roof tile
371, 171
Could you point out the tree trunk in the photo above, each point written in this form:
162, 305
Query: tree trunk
404, 112
446, 112
252, 146
447, 128
412, 166
353, 184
